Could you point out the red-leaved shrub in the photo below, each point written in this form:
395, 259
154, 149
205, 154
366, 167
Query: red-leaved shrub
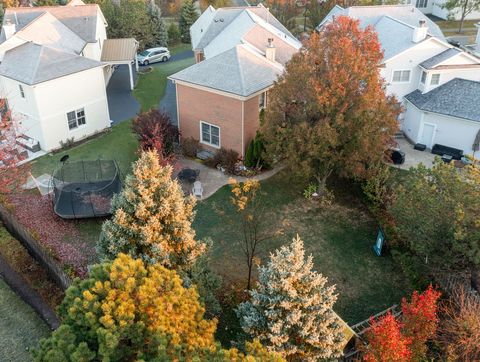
155, 132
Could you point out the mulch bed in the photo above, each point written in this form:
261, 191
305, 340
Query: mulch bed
61, 237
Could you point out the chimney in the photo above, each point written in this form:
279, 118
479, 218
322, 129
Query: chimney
9, 29
270, 50
420, 32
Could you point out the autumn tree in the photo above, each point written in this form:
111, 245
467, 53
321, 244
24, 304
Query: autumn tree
420, 320
386, 343
130, 311
151, 218
12, 173
459, 331
436, 214
249, 214
285, 11
290, 310
155, 132
329, 112
188, 15
45, 2
462, 8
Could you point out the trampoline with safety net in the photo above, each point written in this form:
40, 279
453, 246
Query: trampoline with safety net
84, 189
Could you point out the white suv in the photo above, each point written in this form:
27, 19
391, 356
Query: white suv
153, 55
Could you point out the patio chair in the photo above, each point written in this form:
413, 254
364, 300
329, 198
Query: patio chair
197, 190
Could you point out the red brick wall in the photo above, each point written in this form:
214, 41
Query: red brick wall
195, 105
251, 123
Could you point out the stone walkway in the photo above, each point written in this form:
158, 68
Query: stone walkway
212, 179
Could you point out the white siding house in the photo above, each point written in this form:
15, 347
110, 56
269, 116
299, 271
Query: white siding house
419, 65
53, 71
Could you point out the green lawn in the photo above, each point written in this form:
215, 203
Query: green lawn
118, 143
340, 237
151, 86
20, 327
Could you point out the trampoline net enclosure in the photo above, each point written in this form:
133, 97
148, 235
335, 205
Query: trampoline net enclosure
84, 189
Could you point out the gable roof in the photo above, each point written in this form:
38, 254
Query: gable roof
233, 22
456, 98
80, 19
240, 71
48, 30
394, 24
32, 63
439, 58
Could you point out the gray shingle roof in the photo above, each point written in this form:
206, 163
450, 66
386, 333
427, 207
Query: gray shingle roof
48, 30
31, 63
82, 20
439, 58
458, 98
225, 16
394, 24
238, 71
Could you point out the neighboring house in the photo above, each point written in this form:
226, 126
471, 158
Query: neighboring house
239, 52
436, 8
55, 63
418, 60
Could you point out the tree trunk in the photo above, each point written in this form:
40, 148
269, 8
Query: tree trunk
322, 184
475, 278
249, 274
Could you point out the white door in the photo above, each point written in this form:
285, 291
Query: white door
427, 134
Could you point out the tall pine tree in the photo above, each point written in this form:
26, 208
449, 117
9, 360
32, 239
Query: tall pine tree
290, 311
151, 218
188, 16
159, 30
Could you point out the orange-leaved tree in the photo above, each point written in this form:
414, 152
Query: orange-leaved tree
386, 342
420, 320
329, 111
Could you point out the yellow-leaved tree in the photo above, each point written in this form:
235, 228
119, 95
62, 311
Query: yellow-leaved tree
127, 310
151, 218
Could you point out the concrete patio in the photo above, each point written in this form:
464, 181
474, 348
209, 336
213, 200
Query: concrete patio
413, 157
211, 179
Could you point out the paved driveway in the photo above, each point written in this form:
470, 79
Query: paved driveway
121, 102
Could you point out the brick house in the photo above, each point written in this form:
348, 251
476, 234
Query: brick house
239, 54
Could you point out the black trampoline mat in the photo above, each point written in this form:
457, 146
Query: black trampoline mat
84, 186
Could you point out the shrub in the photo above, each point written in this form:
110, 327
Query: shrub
155, 132
173, 34
255, 152
190, 147
224, 158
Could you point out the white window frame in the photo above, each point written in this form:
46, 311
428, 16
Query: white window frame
263, 104
421, 4
437, 76
22, 91
77, 119
208, 142
400, 81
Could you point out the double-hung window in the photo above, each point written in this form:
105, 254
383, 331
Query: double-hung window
76, 118
435, 79
210, 134
401, 76
422, 3
22, 92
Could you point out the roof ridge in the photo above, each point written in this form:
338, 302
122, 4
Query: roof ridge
240, 69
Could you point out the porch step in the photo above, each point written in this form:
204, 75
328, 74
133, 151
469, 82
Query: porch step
399, 135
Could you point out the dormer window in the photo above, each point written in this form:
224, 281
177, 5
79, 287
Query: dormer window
422, 3
435, 79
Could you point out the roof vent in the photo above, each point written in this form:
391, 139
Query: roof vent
221, 20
